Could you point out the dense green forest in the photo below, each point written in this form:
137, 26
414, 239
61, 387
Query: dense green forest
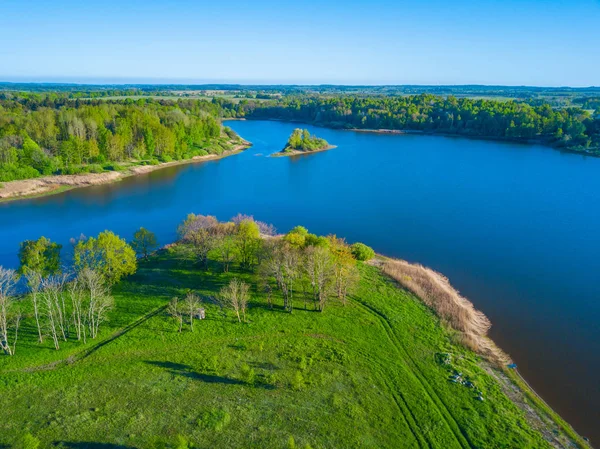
569, 128
302, 140
50, 134
65, 131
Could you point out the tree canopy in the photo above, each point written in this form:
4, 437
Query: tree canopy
302, 140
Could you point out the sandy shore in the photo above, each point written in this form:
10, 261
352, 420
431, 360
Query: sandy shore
299, 153
28, 188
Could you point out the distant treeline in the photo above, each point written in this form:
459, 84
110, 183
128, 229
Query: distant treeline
49, 134
572, 128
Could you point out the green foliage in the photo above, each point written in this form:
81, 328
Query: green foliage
182, 443
144, 242
214, 419
247, 241
68, 137
301, 140
108, 254
362, 252
569, 127
41, 256
28, 441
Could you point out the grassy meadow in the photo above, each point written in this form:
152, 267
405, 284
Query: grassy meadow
367, 374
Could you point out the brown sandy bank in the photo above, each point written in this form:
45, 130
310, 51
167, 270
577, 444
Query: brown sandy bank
299, 153
28, 188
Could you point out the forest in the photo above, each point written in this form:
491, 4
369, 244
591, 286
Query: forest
570, 128
50, 134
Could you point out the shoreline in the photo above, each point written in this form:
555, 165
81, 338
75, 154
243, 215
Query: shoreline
436, 292
52, 185
283, 153
542, 142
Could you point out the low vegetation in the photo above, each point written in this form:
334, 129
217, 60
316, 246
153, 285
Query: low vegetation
237, 337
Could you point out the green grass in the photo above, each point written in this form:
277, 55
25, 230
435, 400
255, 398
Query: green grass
360, 375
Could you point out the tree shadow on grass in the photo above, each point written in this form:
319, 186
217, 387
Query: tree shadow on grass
90, 445
181, 369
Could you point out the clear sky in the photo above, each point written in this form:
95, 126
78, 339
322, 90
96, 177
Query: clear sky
513, 42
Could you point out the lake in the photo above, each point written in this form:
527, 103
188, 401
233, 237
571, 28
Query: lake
516, 228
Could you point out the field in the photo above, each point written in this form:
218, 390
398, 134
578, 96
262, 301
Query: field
370, 373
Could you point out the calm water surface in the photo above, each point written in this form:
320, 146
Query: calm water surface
515, 228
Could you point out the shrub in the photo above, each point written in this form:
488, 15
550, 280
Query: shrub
28, 441
248, 374
214, 419
113, 167
360, 251
12, 172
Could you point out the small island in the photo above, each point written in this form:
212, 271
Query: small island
302, 142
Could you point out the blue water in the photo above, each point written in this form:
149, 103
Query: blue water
516, 228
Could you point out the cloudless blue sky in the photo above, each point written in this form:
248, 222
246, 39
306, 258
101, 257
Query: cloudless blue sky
514, 42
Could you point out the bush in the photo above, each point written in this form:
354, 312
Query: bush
113, 167
28, 441
360, 251
12, 172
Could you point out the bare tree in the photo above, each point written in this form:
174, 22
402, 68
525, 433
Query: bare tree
199, 231
79, 305
318, 266
54, 310
226, 247
192, 304
34, 280
235, 296
282, 262
345, 272
176, 311
10, 318
99, 301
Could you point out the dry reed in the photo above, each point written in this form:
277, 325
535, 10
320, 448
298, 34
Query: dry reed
435, 291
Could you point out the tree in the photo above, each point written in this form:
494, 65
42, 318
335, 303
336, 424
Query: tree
226, 248
282, 262
98, 299
175, 310
10, 316
109, 255
235, 296
318, 267
344, 267
199, 231
144, 242
38, 259
53, 306
247, 241
40, 256
362, 252
192, 304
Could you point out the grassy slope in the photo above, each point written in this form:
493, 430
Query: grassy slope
363, 375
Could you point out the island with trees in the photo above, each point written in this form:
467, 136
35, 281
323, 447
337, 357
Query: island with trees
302, 142
237, 334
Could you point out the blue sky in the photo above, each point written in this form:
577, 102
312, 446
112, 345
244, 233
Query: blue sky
526, 42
